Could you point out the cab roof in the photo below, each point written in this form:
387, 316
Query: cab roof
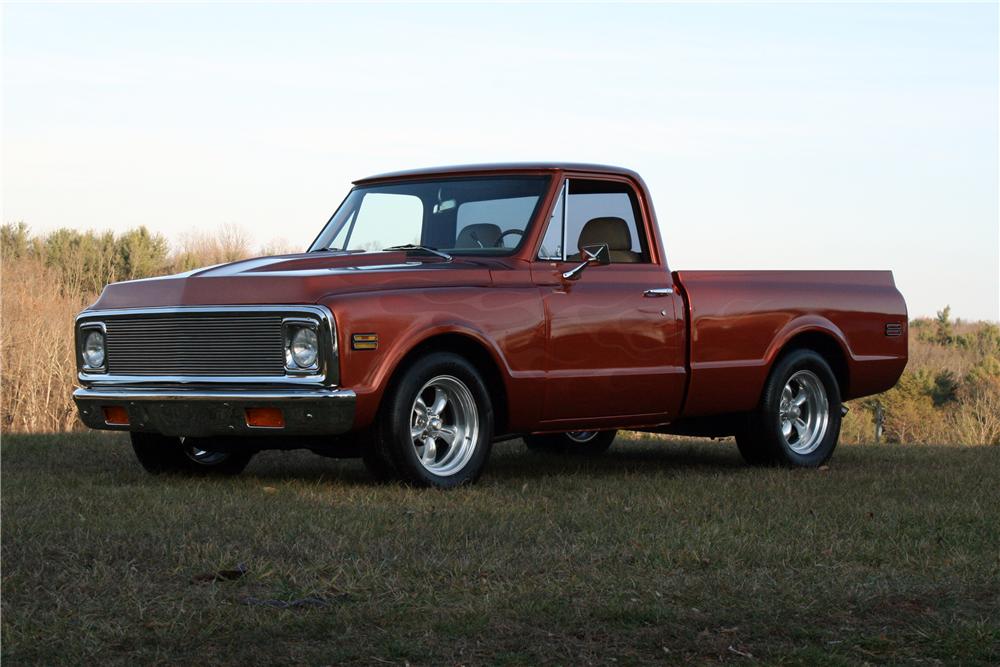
498, 168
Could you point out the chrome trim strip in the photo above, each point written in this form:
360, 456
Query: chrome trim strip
328, 373
565, 216
92, 380
184, 310
203, 395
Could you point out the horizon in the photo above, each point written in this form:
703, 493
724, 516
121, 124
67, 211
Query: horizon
806, 136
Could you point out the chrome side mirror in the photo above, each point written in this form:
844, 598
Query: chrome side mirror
591, 254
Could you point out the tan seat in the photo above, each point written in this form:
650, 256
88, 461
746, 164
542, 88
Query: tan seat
615, 233
479, 235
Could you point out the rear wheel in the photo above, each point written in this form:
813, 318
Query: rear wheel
160, 454
436, 424
588, 443
797, 422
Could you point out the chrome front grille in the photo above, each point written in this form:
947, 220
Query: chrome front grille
197, 344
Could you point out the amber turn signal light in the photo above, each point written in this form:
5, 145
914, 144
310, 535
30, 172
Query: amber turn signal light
265, 418
365, 341
115, 415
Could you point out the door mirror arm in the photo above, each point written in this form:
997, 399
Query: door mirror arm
591, 254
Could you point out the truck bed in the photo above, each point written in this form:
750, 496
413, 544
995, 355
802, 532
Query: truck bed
737, 321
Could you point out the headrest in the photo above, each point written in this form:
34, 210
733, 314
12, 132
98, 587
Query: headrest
612, 231
479, 235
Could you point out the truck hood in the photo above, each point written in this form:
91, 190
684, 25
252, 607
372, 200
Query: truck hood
302, 278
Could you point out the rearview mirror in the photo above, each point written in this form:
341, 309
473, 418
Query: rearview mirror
590, 254
445, 205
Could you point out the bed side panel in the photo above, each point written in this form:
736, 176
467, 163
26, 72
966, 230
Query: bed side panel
740, 320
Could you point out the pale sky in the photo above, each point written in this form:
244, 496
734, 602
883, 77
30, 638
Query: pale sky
771, 136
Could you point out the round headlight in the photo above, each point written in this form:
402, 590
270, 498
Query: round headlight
93, 349
304, 347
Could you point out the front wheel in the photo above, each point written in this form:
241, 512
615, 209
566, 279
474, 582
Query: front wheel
587, 443
160, 454
436, 425
797, 422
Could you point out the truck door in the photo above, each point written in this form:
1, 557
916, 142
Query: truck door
615, 337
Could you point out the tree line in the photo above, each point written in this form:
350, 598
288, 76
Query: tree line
86, 261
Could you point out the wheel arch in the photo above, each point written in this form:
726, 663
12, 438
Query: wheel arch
472, 349
826, 342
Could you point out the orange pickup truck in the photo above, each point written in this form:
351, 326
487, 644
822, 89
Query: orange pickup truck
441, 310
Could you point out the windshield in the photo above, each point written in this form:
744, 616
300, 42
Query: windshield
474, 216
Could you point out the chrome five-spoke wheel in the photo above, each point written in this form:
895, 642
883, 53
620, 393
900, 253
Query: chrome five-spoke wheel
444, 425
804, 412
435, 426
797, 421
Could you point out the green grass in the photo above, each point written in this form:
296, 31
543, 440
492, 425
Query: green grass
662, 551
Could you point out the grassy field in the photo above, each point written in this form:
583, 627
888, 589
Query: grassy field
661, 552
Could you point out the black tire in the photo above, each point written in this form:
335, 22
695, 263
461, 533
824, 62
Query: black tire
394, 443
751, 450
761, 440
585, 443
161, 454
378, 465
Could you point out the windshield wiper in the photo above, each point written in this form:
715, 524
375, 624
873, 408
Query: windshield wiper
422, 248
338, 251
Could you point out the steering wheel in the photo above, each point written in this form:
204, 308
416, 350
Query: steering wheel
500, 238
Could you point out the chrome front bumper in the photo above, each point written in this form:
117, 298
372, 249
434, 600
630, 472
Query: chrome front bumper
217, 411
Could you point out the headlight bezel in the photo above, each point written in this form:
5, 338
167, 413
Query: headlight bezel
87, 330
291, 327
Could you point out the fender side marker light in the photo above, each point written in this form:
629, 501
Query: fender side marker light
365, 341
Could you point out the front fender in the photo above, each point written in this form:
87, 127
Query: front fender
506, 323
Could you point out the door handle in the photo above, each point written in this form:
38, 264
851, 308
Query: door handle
659, 291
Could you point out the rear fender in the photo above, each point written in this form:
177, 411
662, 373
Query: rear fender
814, 324
806, 324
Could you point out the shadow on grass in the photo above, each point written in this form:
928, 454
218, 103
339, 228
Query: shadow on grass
511, 461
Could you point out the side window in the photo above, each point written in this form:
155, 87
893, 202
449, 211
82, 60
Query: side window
598, 212
385, 218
